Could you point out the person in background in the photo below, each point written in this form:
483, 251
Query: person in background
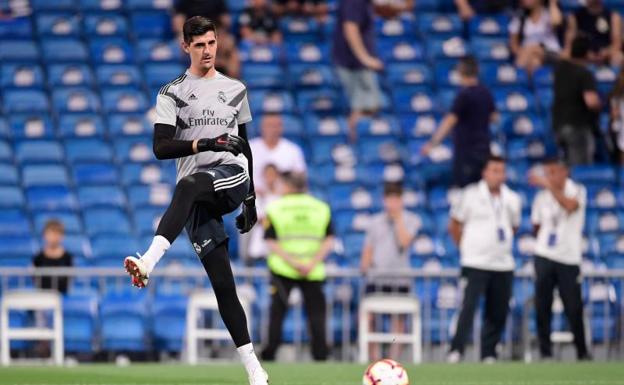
470, 116
394, 8
53, 254
272, 192
312, 8
603, 28
272, 148
258, 24
386, 251
576, 105
300, 236
354, 55
616, 99
535, 34
467, 9
558, 217
483, 223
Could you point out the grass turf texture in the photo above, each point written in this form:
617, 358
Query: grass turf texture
317, 374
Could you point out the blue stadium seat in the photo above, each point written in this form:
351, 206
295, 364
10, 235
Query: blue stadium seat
374, 150
5, 132
70, 221
543, 77
14, 222
123, 100
19, 51
50, 198
129, 124
263, 75
44, 175
522, 125
111, 246
306, 75
146, 219
487, 49
169, 326
514, 100
150, 24
134, 149
21, 76
489, 25
118, 75
260, 53
156, 74
385, 126
298, 27
545, 98
401, 51
23, 245
150, 195
100, 5
601, 196
155, 50
95, 174
395, 28
523, 149
106, 24
312, 52
439, 25
77, 244
60, 5
11, 197
8, 173
16, 27
147, 5
106, 221
6, 153
64, 50
79, 322
418, 125
408, 74
97, 196
111, 50
495, 74
57, 24
147, 173
75, 99
413, 100
123, 323
39, 151
31, 126
320, 101
21, 101
265, 101
81, 126
445, 49
599, 173
325, 126
88, 150
69, 75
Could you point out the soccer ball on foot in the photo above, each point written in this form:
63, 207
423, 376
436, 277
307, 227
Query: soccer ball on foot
385, 372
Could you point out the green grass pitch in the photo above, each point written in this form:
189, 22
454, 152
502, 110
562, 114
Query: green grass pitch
317, 374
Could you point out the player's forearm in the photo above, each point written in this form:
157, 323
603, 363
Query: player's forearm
242, 132
165, 147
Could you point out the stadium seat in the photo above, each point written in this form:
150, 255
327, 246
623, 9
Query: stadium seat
599, 173
79, 322
8, 173
106, 221
325, 126
60, 5
22, 101
439, 25
21, 75
129, 124
44, 175
320, 101
147, 218
265, 101
418, 125
146, 173
413, 100
522, 125
64, 50
401, 51
39, 151
446, 49
150, 195
32, 126
397, 28
489, 25
495, 74
75, 99
14, 222
6, 153
169, 326
50, 198
118, 75
98, 196
11, 197
375, 150
69, 75
266, 76
125, 100
16, 27
18, 51
150, 24
107, 24
514, 100
312, 52
95, 174
134, 149
307, 75
70, 221
88, 150
81, 126
384, 126
123, 323
488, 49
156, 50
113, 246
147, 5
156, 74
21, 246
57, 24
111, 50
409, 74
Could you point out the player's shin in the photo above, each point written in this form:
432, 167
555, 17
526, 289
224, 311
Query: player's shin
155, 252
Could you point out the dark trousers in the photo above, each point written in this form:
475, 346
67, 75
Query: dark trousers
314, 303
548, 275
496, 287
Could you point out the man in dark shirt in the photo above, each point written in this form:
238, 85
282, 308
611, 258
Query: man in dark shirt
575, 106
468, 9
603, 28
53, 254
215, 10
258, 24
470, 116
354, 55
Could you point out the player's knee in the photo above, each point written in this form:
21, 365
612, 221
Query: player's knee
187, 185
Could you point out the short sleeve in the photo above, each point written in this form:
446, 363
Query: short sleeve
269, 231
460, 209
516, 212
412, 224
588, 81
244, 113
165, 110
299, 160
369, 237
330, 229
581, 197
514, 26
458, 104
355, 11
536, 216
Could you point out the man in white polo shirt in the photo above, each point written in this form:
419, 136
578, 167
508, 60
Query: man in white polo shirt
483, 223
558, 216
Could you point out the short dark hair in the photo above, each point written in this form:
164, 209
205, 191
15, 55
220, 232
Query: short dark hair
393, 188
296, 180
580, 47
197, 26
554, 159
54, 225
468, 66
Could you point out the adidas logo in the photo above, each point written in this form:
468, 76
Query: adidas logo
193, 97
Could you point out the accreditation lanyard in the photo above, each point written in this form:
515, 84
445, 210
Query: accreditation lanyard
556, 216
497, 207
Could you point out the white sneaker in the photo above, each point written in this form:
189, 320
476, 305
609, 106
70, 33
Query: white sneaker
453, 357
137, 270
259, 377
489, 360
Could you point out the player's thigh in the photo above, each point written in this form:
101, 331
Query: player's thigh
205, 229
231, 186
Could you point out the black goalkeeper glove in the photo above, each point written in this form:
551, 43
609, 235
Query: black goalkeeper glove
223, 143
248, 217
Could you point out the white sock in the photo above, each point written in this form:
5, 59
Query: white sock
156, 250
248, 357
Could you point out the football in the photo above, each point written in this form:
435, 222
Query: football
385, 372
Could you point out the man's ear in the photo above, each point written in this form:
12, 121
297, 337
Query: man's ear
185, 46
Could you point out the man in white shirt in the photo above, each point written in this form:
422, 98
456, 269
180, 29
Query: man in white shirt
272, 148
483, 223
558, 216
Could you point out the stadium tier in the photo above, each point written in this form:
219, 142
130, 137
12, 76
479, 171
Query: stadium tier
78, 84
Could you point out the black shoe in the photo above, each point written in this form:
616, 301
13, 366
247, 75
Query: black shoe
266, 356
584, 357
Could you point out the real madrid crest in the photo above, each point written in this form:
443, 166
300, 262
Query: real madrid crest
221, 97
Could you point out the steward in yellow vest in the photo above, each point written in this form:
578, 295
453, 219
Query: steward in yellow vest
299, 236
